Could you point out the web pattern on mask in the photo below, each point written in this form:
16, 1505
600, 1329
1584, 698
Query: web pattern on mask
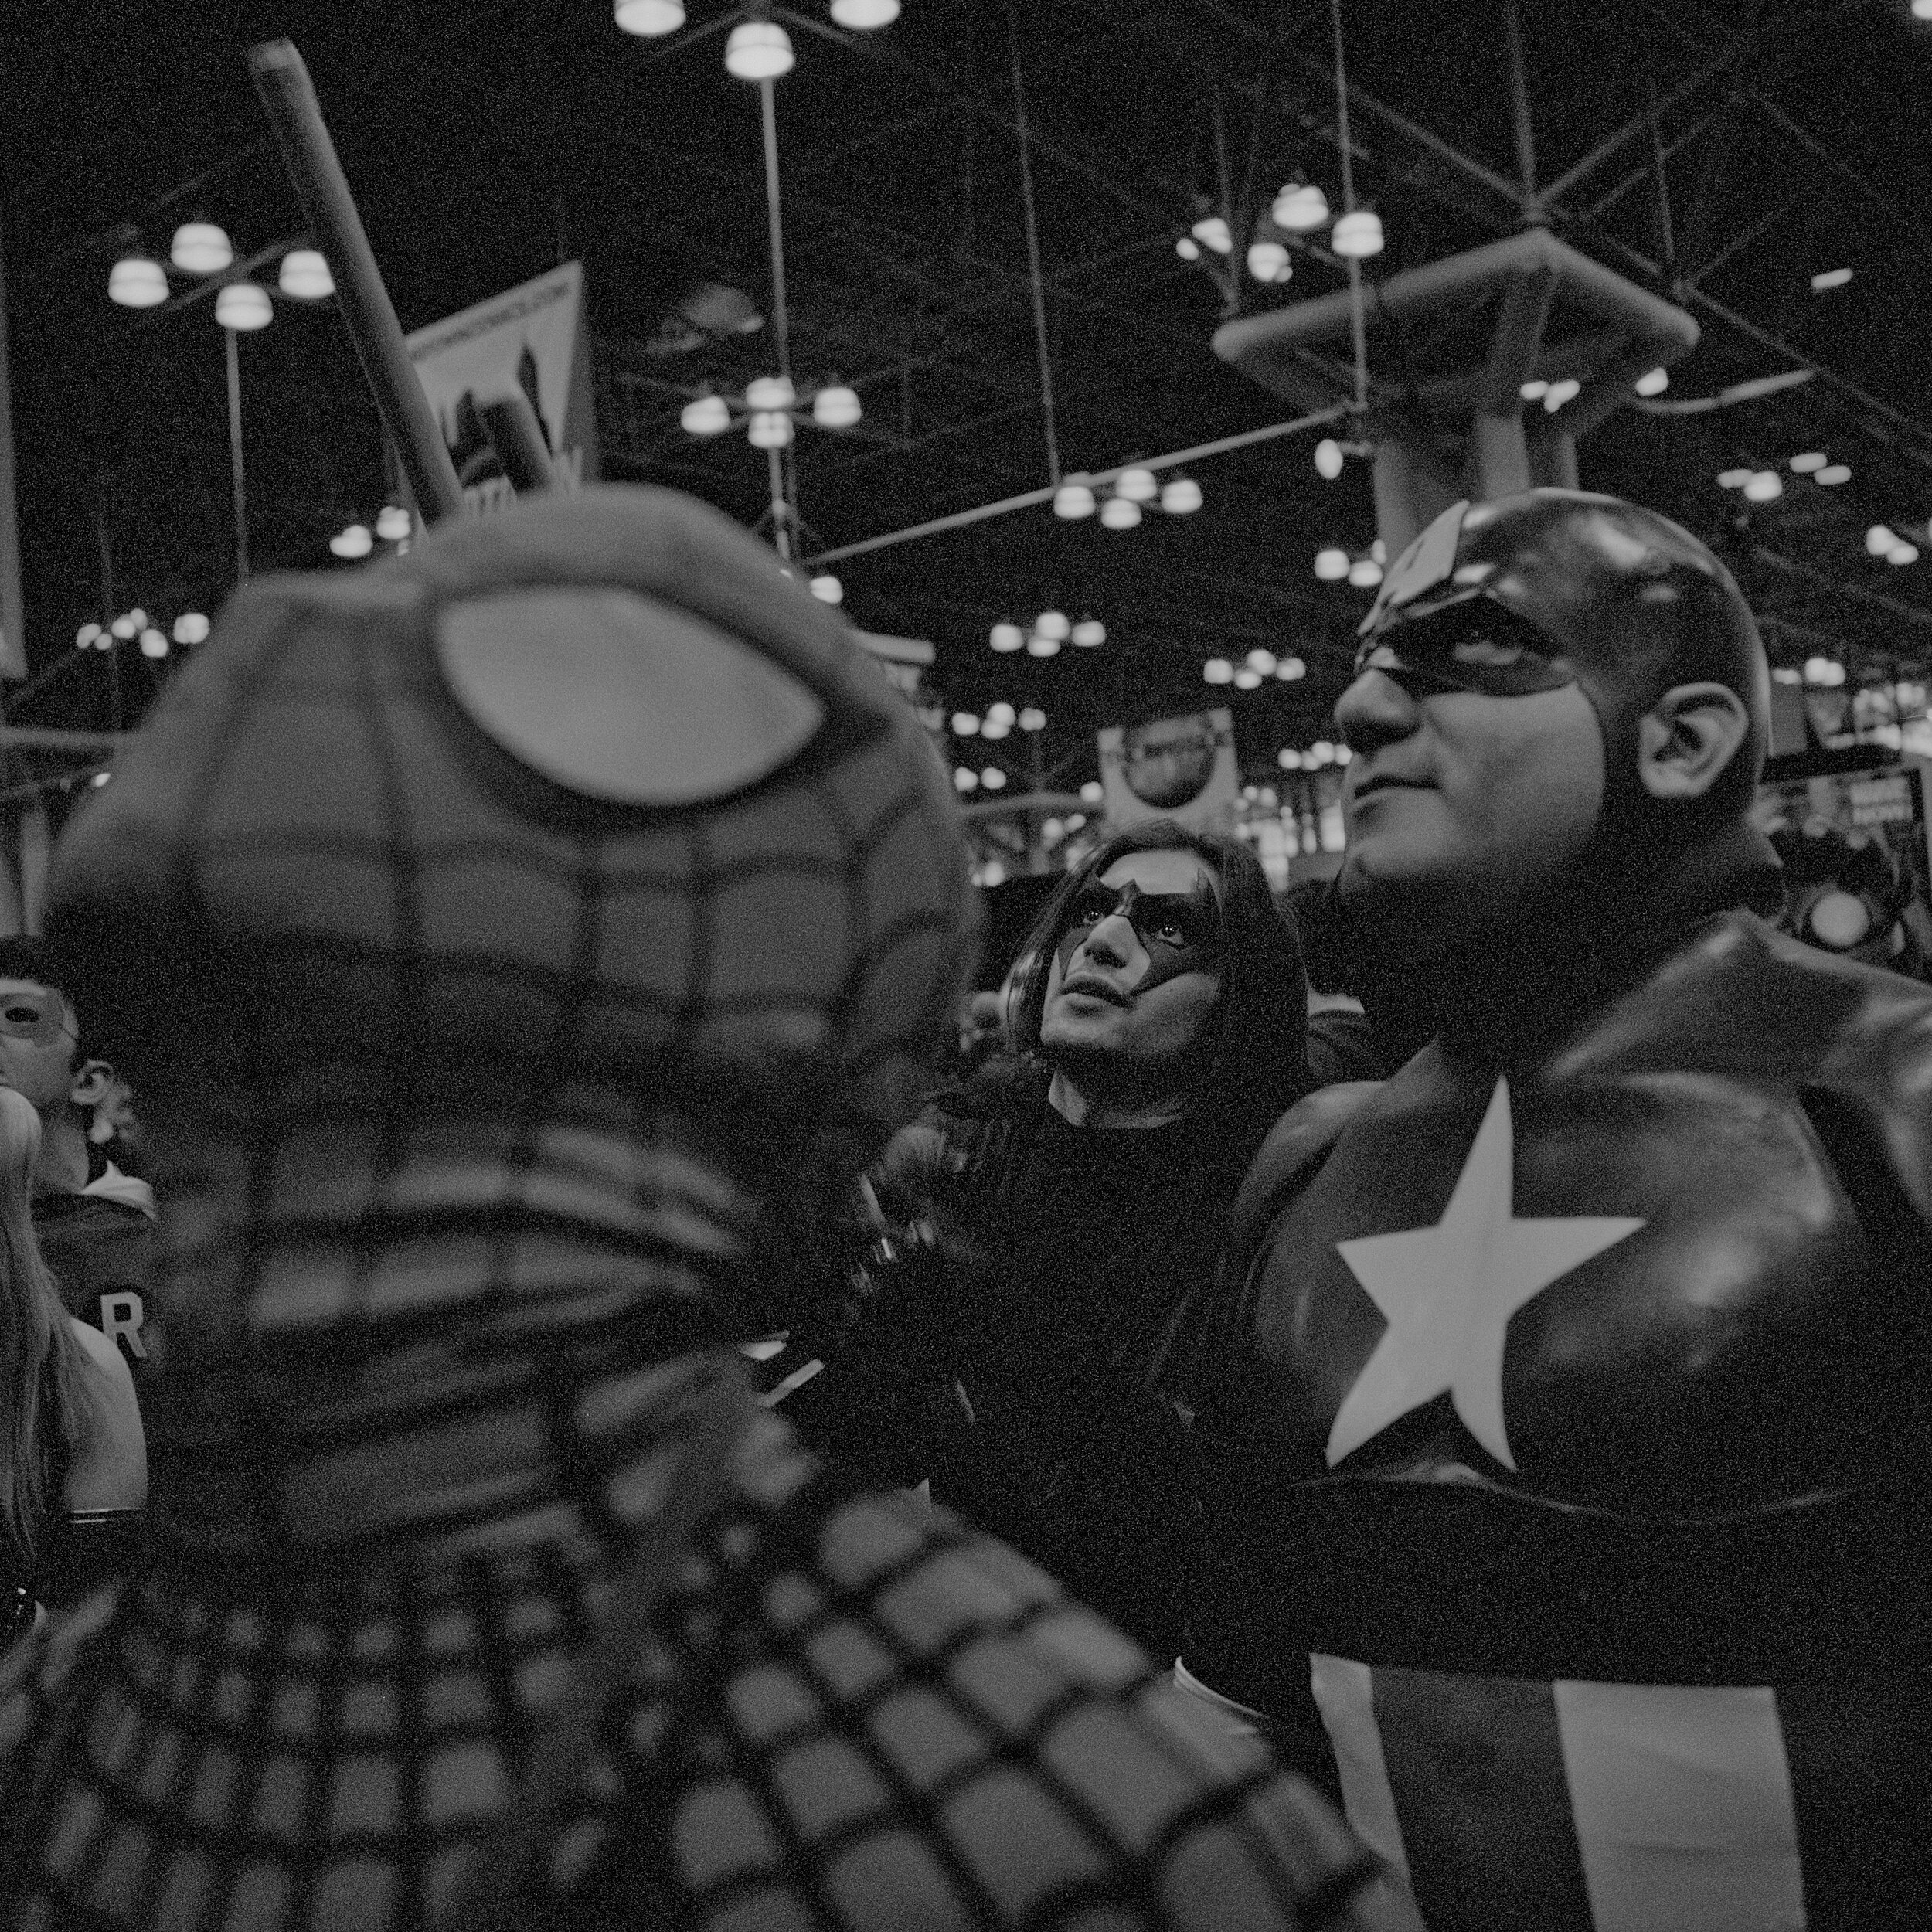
316, 1704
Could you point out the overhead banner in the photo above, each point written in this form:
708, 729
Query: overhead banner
1181, 768
533, 335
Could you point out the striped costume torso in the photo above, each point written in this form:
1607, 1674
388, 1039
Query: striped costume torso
1573, 1456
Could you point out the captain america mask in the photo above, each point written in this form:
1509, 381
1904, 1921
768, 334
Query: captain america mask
1473, 645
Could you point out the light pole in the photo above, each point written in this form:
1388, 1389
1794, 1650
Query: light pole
201, 255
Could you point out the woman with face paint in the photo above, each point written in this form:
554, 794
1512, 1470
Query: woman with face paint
1030, 1340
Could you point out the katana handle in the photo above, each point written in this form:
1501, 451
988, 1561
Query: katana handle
288, 98
517, 436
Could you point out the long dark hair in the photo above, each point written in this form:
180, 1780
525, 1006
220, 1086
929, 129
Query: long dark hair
1254, 1055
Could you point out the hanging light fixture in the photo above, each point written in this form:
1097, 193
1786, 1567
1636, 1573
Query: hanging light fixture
1038, 646
769, 430
1269, 261
393, 523
1291, 668
865, 16
836, 408
705, 416
1089, 633
1006, 637
649, 17
125, 627
1180, 496
1120, 513
137, 281
1000, 713
190, 627
1218, 671
200, 248
1211, 231
153, 644
1559, 393
1188, 249
1299, 207
1534, 390
1262, 662
1652, 383
1327, 458
1055, 624
993, 778
1365, 573
965, 725
1032, 719
758, 50
1903, 553
1358, 234
1811, 460
1830, 278
84, 637
964, 779
1331, 566
1246, 680
1073, 500
770, 392
994, 728
1833, 473
1137, 486
244, 305
1764, 486
354, 542
304, 275
1879, 540
827, 589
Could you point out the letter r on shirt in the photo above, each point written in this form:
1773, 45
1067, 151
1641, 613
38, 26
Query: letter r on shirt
121, 1315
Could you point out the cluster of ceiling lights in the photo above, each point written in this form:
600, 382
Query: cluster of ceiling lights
999, 720
135, 627
1766, 486
393, 525
1827, 673
1249, 675
1363, 570
1882, 540
758, 49
1043, 638
1319, 753
1300, 208
1120, 508
202, 249
768, 409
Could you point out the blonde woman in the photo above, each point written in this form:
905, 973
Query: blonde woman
74, 1463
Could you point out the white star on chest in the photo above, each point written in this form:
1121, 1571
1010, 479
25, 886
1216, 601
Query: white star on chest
1447, 1293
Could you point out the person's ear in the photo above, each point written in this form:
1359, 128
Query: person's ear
1686, 740
91, 1083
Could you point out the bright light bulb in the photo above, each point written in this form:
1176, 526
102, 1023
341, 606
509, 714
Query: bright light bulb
1089, 633
1290, 668
1006, 637
1833, 473
354, 542
1218, 671
1653, 384
153, 644
1379, 551
1000, 713
1534, 390
1812, 460
1879, 540
1299, 207
1264, 661
1040, 647
244, 305
769, 430
827, 589
992, 778
1055, 624
1321, 752
836, 408
1268, 262
1559, 393
1331, 566
1903, 553
1212, 232
138, 281
1327, 458
758, 50
1092, 792
190, 627
1137, 486
1116, 513
1734, 479
965, 725
649, 17
1188, 249
1342, 754
1180, 496
863, 16
200, 248
138, 618
1830, 278
304, 275
705, 416
124, 627
1032, 719
1766, 486
966, 781
1365, 573
1246, 680
1358, 235
85, 636
770, 392
392, 523
1922, 9
1288, 758
1073, 500
991, 729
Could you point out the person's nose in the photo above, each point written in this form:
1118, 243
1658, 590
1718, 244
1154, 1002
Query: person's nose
1375, 711
1112, 942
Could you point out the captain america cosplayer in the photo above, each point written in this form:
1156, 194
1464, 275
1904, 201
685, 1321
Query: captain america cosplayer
1570, 1439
